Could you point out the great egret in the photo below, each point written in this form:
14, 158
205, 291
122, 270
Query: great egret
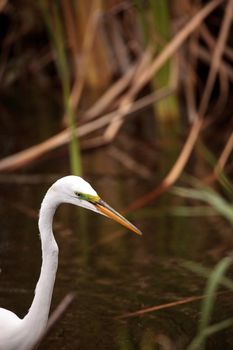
22, 334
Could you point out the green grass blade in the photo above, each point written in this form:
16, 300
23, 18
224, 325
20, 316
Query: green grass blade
205, 272
209, 196
218, 327
210, 291
213, 282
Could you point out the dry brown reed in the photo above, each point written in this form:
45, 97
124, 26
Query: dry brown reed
122, 94
172, 304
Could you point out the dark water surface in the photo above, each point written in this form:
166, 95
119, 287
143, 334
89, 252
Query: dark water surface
112, 272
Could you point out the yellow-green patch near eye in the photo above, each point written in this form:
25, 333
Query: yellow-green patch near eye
87, 197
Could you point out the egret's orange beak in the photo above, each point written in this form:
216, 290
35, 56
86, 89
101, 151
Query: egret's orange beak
106, 210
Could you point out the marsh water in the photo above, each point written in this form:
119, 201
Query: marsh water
111, 271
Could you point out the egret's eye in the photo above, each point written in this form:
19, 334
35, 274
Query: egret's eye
87, 197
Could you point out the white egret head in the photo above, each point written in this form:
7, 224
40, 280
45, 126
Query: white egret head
75, 190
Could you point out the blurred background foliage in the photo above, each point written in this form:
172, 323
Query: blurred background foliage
78, 50
149, 80
101, 56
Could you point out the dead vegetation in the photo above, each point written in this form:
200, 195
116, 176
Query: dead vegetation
133, 63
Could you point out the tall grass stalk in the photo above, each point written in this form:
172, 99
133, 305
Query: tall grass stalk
168, 108
155, 24
204, 329
57, 37
89, 20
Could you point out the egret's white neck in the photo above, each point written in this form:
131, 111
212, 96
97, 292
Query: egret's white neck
47, 211
39, 310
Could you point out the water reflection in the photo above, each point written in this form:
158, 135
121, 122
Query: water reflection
111, 271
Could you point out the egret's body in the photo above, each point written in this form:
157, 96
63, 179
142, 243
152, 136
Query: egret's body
22, 334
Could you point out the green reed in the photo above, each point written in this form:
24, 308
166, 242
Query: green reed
216, 277
54, 23
155, 23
